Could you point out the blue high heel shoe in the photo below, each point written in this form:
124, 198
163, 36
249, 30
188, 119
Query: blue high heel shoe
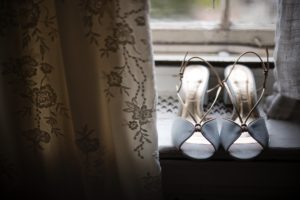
193, 134
245, 135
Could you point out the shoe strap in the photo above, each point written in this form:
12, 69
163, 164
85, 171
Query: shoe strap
265, 71
184, 64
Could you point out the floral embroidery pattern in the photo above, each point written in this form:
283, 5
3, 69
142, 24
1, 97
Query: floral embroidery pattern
36, 137
111, 44
123, 33
37, 96
23, 68
27, 15
46, 68
133, 125
85, 140
141, 116
121, 40
95, 6
115, 81
88, 143
140, 21
30, 74
94, 11
44, 97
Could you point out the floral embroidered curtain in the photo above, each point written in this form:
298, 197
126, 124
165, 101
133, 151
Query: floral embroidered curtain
77, 100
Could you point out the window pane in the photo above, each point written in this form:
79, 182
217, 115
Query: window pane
253, 12
242, 12
185, 10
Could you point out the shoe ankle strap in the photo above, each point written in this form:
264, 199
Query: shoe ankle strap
265, 72
184, 64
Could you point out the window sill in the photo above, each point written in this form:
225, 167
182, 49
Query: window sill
197, 33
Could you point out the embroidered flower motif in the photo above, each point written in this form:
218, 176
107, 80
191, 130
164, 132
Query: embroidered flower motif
26, 67
84, 141
46, 68
37, 136
114, 79
146, 113
29, 14
133, 125
96, 6
114, 82
44, 97
140, 21
124, 33
141, 114
111, 44
28, 71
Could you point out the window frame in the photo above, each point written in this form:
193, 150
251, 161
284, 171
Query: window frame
171, 39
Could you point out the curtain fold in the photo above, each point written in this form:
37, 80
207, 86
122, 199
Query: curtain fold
287, 68
77, 100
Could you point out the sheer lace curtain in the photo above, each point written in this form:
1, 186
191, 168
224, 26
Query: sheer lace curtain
77, 100
286, 93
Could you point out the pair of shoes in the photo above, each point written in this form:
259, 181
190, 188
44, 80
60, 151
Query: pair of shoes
197, 136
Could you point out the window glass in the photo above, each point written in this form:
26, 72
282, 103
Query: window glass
241, 12
253, 12
185, 10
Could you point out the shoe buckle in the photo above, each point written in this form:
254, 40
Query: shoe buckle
244, 127
197, 127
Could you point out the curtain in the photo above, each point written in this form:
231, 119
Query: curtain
77, 100
287, 61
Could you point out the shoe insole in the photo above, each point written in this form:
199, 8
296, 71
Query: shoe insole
197, 147
194, 84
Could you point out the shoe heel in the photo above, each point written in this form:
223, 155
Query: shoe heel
226, 99
205, 102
